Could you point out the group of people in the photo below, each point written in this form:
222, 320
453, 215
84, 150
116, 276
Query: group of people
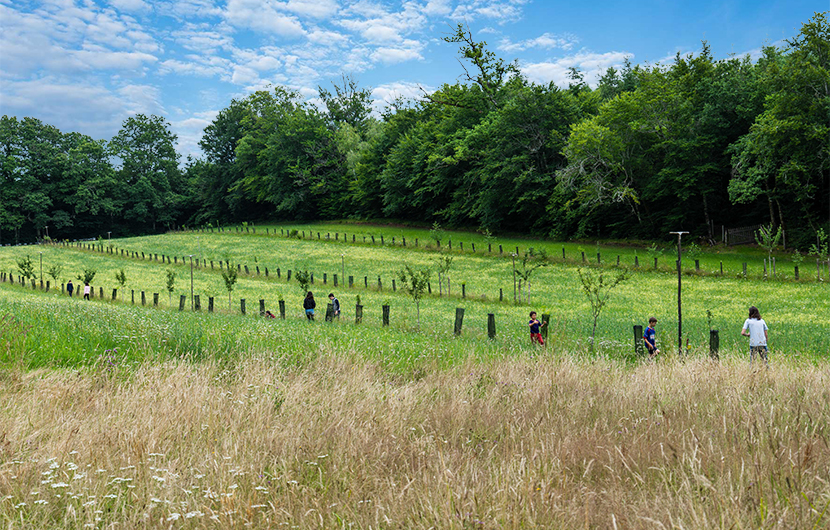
309, 305
71, 289
754, 327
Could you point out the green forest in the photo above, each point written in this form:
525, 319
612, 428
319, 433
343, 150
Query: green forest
693, 145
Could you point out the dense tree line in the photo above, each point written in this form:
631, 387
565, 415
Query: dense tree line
691, 145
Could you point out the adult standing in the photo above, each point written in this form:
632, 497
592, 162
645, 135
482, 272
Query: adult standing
70, 288
87, 290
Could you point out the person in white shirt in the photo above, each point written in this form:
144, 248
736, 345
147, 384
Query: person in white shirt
756, 329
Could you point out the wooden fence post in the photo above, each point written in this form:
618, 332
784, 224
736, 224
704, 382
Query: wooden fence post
155, 299
210, 304
358, 314
114, 294
329, 312
714, 344
282, 309
796, 272
639, 347
182, 300
546, 325
491, 325
143, 298
197, 303
335, 280
101, 293
459, 320
351, 282
385, 315
242, 305
261, 307
463, 290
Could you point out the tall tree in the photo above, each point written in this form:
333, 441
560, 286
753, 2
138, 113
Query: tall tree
149, 179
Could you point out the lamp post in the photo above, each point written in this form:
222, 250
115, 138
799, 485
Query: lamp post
109, 235
47, 230
41, 270
192, 303
343, 267
679, 311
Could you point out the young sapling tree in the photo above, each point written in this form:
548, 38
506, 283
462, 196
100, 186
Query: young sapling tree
443, 264
531, 260
229, 276
171, 285
768, 240
597, 286
26, 267
121, 278
414, 282
303, 278
55, 271
87, 276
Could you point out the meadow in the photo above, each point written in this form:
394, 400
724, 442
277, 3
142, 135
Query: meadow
119, 415
796, 311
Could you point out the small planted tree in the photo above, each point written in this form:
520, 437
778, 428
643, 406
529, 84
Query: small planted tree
768, 240
87, 276
597, 286
304, 279
121, 278
54, 271
171, 285
655, 252
414, 282
26, 267
531, 260
437, 234
229, 276
821, 249
443, 264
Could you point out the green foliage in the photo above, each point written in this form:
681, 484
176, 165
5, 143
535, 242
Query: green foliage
87, 276
531, 261
229, 277
121, 278
171, 281
26, 267
597, 286
437, 233
303, 278
768, 238
821, 248
55, 271
414, 283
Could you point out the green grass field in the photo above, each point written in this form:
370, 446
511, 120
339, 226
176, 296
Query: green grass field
795, 311
118, 415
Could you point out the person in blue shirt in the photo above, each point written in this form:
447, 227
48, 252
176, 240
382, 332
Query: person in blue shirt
650, 338
535, 329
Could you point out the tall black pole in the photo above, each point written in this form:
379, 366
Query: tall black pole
192, 303
679, 306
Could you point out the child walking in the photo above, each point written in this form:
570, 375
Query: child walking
535, 329
309, 304
650, 338
756, 329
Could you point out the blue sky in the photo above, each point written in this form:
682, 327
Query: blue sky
85, 65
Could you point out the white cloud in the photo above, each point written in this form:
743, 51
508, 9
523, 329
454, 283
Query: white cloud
131, 6
546, 41
501, 11
395, 55
592, 66
323, 37
141, 99
263, 17
313, 8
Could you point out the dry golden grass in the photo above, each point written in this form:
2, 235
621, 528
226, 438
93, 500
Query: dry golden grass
337, 443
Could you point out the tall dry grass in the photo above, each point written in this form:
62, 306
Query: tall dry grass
338, 443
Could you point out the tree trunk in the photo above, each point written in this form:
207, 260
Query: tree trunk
707, 217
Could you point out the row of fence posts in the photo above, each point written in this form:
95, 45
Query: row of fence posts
768, 265
639, 348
